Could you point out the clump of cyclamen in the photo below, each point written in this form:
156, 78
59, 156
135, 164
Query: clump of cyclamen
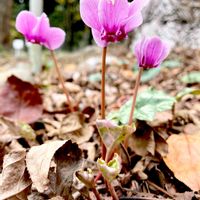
150, 52
37, 30
111, 20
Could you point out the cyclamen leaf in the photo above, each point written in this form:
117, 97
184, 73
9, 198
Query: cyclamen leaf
171, 63
111, 169
148, 104
112, 134
193, 77
150, 74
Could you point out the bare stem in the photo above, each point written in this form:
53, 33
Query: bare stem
96, 193
103, 104
62, 81
112, 191
135, 95
103, 74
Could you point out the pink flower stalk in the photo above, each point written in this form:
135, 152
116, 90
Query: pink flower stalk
150, 52
111, 20
38, 31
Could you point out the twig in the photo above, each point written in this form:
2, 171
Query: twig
160, 189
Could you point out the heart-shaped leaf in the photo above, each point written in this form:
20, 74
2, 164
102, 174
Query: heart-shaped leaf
148, 104
111, 133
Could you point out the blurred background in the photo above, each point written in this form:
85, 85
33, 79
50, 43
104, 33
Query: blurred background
177, 21
62, 13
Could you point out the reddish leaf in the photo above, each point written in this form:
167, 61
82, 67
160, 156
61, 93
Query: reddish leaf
19, 100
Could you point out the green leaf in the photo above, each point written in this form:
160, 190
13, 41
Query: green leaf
95, 77
112, 134
186, 91
114, 117
148, 104
193, 77
111, 169
171, 63
149, 74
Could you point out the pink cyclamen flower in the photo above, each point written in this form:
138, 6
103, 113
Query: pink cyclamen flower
111, 20
150, 52
37, 30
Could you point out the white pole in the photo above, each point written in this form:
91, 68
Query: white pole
35, 51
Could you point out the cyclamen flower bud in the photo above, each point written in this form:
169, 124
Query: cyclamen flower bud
150, 52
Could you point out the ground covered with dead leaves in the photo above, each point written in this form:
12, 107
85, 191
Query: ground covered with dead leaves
42, 144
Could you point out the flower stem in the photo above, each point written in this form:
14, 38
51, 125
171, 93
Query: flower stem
96, 193
103, 104
112, 191
61, 80
135, 95
103, 73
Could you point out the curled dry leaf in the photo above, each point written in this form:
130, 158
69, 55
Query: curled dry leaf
142, 141
184, 159
38, 162
20, 100
14, 179
146, 140
68, 159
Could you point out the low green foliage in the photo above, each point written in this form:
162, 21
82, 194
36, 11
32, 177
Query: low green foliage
193, 77
171, 63
148, 104
150, 74
186, 91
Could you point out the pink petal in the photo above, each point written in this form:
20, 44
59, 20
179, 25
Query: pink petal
137, 5
40, 31
133, 22
163, 54
153, 51
54, 38
97, 38
139, 51
89, 13
25, 22
112, 13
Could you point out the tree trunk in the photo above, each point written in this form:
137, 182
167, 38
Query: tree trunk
5, 16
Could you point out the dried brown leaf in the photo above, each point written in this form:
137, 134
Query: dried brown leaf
70, 126
68, 160
14, 179
20, 100
184, 159
38, 162
143, 142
